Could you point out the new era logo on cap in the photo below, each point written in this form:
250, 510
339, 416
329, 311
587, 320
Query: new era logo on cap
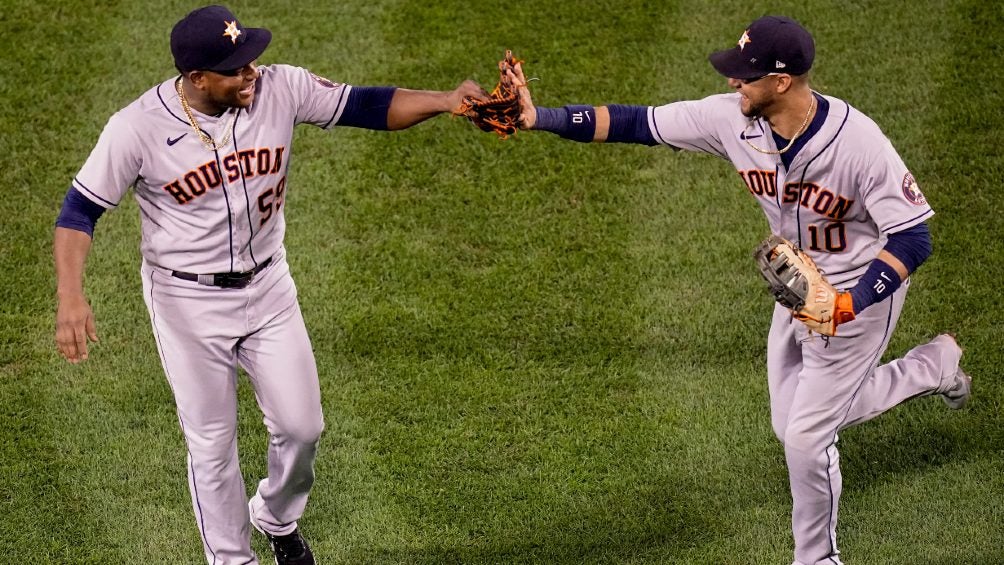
768, 44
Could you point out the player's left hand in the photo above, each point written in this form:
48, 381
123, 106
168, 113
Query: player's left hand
74, 326
528, 114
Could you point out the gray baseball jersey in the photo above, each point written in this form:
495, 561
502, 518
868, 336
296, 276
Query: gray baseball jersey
206, 211
840, 196
844, 191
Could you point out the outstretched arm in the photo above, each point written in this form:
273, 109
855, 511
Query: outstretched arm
409, 107
614, 123
528, 118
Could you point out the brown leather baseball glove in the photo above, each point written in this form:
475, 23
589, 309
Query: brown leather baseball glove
501, 111
797, 284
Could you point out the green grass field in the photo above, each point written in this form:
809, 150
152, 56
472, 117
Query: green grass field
531, 351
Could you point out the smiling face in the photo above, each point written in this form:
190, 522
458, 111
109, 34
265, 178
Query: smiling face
218, 91
758, 95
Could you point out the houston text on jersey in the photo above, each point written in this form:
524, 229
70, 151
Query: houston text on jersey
247, 163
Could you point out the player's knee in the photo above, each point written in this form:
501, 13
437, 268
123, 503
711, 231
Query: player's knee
803, 441
779, 423
778, 431
304, 431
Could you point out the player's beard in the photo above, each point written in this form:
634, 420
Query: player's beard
231, 96
234, 99
750, 109
220, 100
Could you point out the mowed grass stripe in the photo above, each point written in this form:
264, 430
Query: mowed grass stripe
549, 276
938, 472
42, 444
706, 323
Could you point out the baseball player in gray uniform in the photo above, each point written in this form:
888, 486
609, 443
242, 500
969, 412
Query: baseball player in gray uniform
828, 180
207, 154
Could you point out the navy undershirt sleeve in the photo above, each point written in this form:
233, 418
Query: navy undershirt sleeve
629, 124
912, 246
79, 212
367, 107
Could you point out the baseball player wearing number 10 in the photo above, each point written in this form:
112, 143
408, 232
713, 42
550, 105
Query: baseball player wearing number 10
828, 180
207, 153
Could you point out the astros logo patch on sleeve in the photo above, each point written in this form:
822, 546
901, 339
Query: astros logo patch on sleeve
324, 81
912, 191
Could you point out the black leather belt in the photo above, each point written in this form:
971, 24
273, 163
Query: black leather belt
224, 280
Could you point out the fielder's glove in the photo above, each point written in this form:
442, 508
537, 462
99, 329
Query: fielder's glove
796, 283
501, 111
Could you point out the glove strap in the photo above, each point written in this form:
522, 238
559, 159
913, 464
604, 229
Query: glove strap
843, 310
577, 123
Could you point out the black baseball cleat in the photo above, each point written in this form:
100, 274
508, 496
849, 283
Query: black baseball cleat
290, 549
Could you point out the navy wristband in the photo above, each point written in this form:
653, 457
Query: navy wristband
877, 284
577, 123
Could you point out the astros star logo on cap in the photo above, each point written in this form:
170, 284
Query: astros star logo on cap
232, 32
744, 39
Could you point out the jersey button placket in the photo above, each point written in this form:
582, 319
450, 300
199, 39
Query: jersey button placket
236, 209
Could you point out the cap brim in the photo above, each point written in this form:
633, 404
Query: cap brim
250, 49
730, 63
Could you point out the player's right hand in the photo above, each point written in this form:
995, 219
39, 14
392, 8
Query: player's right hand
528, 116
74, 326
465, 90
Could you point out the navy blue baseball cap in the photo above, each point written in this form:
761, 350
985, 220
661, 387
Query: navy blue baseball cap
771, 44
212, 39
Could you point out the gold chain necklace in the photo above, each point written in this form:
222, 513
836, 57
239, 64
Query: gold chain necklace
801, 130
210, 143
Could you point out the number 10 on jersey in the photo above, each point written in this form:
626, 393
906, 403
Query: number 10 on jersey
830, 237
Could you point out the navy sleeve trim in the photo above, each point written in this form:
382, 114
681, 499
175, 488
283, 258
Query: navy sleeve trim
367, 107
80, 186
655, 125
340, 105
923, 215
629, 124
79, 212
